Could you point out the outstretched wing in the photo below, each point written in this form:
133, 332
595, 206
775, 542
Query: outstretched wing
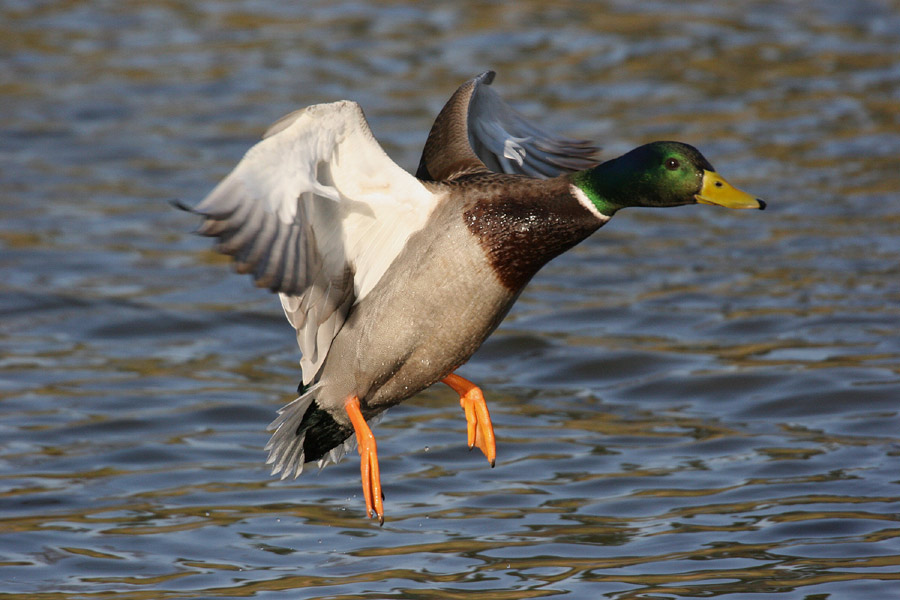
477, 131
316, 211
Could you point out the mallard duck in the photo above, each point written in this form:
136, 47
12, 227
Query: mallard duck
393, 281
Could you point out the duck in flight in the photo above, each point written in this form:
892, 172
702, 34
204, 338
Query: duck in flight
393, 281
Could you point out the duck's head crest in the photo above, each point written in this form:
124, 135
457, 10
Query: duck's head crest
660, 174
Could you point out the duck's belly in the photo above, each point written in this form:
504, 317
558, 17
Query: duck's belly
439, 304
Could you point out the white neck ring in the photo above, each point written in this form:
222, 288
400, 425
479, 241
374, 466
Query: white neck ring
586, 202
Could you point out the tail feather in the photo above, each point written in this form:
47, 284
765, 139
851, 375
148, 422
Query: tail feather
285, 447
304, 433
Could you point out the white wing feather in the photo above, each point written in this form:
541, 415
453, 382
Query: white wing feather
316, 211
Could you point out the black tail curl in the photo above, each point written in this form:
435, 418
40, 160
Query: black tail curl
322, 433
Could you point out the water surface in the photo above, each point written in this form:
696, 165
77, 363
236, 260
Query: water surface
693, 402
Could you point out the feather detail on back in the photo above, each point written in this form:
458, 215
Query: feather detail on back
317, 212
477, 131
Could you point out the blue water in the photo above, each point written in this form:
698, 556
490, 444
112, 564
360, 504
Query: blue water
693, 402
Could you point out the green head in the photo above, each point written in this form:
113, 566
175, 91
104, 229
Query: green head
660, 174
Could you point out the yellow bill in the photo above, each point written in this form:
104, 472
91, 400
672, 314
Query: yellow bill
715, 190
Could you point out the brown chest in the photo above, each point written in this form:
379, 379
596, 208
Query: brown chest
521, 230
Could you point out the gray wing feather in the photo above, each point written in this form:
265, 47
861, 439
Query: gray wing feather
477, 131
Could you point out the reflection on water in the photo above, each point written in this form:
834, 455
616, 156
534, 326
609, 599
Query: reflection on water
692, 403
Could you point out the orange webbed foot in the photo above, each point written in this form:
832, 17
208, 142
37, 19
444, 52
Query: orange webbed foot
368, 452
479, 428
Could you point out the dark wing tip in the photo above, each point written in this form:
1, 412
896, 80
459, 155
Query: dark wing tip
487, 78
177, 203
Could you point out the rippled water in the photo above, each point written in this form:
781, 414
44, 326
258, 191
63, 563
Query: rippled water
694, 402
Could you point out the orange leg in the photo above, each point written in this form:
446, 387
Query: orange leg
368, 452
478, 420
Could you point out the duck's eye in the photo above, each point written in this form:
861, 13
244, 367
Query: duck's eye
672, 164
